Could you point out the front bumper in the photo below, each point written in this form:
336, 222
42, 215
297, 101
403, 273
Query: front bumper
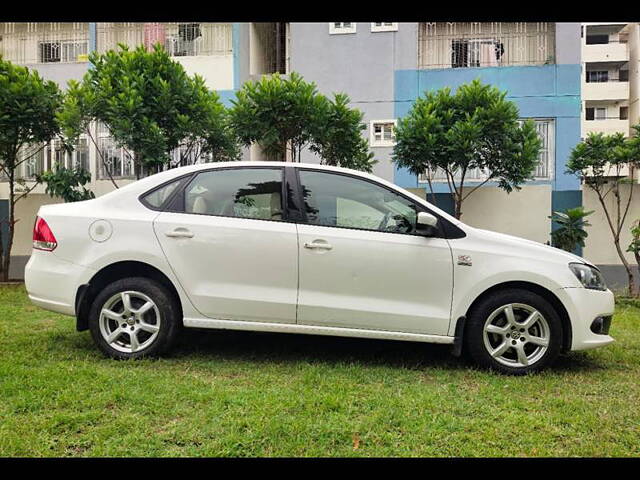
52, 283
584, 306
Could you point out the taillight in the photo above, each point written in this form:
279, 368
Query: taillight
43, 238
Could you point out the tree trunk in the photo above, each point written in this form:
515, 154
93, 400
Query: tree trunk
637, 255
1, 251
458, 206
627, 267
6, 261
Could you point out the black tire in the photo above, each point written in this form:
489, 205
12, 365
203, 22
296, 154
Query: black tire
474, 339
170, 321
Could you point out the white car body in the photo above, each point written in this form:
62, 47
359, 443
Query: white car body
246, 274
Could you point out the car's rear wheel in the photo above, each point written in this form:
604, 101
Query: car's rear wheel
134, 318
513, 331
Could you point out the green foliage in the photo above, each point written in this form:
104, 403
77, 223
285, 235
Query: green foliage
150, 105
287, 114
474, 128
600, 158
277, 113
601, 161
338, 140
570, 233
28, 107
67, 184
634, 246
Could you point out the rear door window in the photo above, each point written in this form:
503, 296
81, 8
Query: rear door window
243, 192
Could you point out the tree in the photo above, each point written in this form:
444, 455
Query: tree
279, 114
601, 161
634, 246
338, 139
67, 183
475, 128
28, 107
570, 232
150, 106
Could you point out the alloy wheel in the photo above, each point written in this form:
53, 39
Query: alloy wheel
129, 321
516, 335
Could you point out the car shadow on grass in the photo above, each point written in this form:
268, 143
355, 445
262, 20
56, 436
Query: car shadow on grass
263, 347
278, 347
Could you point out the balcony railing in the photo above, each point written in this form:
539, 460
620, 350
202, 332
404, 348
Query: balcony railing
490, 44
45, 42
179, 39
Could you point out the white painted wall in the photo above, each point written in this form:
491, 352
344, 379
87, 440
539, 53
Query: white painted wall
520, 213
599, 245
217, 70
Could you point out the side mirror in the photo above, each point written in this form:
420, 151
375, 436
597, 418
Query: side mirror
426, 220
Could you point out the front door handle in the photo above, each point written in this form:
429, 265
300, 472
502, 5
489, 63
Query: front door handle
180, 233
316, 245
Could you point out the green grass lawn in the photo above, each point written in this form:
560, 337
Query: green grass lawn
255, 394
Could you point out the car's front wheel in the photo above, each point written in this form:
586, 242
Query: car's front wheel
513, 331
134, 318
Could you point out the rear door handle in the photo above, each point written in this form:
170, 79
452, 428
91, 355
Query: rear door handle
317, 246
180, 233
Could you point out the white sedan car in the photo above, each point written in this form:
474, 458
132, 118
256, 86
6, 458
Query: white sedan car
301, 248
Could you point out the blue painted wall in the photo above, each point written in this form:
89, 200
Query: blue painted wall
546, 91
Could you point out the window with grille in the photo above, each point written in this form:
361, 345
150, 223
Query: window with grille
342, 27
597, 76
546, 158
596, 113
44, 42
112, 159
384, 26
382, 133
180, 39
485, 44
64, 52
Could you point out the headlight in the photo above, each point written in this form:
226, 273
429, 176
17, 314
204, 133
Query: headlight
590, 277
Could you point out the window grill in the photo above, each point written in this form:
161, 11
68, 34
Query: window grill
271, 48
546, 157
382, 133
112, 158
45, 42
179, 39
34, 158
485, 44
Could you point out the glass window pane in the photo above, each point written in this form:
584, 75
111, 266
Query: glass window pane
341, 201
243, 192
158, 197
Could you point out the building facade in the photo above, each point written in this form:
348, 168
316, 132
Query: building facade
610, 81
382, 66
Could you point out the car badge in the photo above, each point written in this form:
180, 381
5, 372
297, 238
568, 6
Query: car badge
465, 260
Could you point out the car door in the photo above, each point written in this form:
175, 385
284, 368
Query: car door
362, 263
230, 247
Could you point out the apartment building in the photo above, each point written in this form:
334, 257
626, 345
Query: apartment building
382, 66
610, 81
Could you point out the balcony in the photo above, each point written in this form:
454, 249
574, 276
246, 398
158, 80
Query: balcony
607, 126
605, 52
611, 90
485, 44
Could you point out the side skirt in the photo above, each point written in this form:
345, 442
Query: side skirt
314, 330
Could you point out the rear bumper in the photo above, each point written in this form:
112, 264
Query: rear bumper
52, 283
584, 306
